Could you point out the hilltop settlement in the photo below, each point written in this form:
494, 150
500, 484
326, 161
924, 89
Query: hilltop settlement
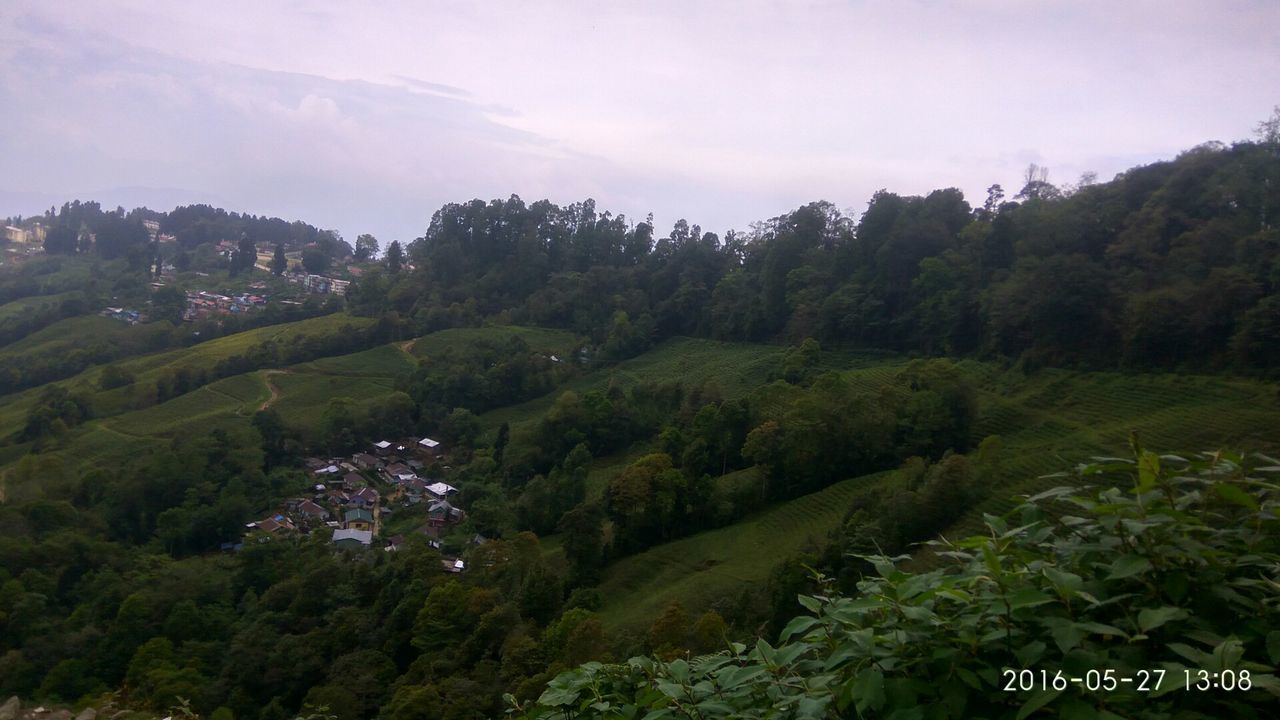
352, 497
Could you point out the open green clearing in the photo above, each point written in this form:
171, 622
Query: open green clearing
546, 340
22, 307
382, 361
73, 332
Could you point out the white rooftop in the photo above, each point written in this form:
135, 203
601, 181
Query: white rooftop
440, 489
364, 537
428, 442
382, 445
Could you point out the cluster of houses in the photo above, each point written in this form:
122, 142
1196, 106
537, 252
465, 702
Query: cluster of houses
320, 284
203, 304
133, 317
32, 235
344, 498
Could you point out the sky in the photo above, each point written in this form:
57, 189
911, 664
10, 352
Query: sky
367, 117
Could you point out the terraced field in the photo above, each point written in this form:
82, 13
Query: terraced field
23, 307
736, 367
304, 390
545, 340
304, 396
382, 361
147, 369
72, 332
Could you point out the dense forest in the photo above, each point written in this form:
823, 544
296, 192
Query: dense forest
85, 228
1169, 265
112, 581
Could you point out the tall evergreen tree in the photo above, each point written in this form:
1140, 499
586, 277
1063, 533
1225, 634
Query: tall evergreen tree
279, 263
395, 256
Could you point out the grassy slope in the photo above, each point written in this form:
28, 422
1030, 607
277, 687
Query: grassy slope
149, 368
305, 391
544, 340
719, 564
69, 333
736, 367
30, 304
1047, 422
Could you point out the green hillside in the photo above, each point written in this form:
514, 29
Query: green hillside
546, 340
147, 369
1046, 421
717, 565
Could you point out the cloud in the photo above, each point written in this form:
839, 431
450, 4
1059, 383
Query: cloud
368, 117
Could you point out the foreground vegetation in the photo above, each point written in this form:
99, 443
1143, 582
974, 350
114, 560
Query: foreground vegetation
1144, 589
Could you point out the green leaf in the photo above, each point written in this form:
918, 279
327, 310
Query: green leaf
1152, 618
670, 689
969, 678
799, 625
1062, 579
765, 651
1197, 657
868, 689
1148, 471
1234, 494
557, 696
811, 604
1030, 653
1270, 683
1065, 633
1128, 566
1101, 629
734, 676
1273, 646
1037, 700
1227, 655
1028, 597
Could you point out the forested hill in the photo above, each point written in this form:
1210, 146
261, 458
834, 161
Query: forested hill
170, 499
1173, 264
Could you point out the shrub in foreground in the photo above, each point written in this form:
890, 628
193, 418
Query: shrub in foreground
1148, 588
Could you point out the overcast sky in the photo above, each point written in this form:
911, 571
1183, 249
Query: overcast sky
366, 117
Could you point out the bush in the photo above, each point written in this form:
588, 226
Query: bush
1172, 576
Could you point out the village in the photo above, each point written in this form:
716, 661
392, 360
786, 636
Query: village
353, 497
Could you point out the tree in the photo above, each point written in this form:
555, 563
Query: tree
244, 256
583, 531
114, 376
168, 303
1036, 185
460, 428
395, 257
1257, 343
279, 263
366, 247
500, 443
61, 239
1268, 130
315, 260
669, 634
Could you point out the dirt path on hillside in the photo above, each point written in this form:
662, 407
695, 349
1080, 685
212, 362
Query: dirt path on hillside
271, 387
407, 346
